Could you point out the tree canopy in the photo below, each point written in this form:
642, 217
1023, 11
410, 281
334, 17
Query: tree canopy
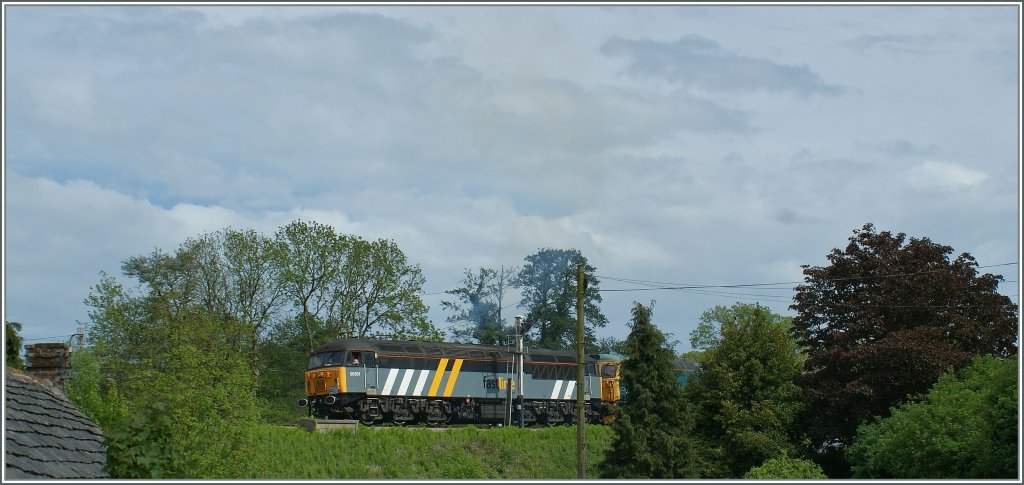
12, 345
786, 468
745, 392
476, 315
965, 427
167, 349
342, 285
548, 284
884, 319
653, 422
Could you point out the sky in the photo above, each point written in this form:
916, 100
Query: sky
680, 144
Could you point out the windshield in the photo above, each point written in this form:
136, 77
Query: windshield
324, 359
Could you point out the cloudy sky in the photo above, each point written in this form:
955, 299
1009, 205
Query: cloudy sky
715, 145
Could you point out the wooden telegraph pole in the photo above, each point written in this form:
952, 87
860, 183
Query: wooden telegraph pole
580, 413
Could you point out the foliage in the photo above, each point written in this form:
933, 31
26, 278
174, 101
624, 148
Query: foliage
787, 468
653, 422
884, 319
164, 346
477, 313
12, 345
411, 453
708, 333
610, 345
548, 283
141, 446
343, 286
965, 427
694, 355
745, 391
93, 395
285, 357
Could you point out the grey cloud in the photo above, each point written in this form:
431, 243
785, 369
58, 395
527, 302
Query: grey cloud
348, 97
900, 148
702, 63
898, 43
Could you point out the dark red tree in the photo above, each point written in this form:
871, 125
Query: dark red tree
884, 320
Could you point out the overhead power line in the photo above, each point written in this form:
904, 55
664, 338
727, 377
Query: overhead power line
658, 285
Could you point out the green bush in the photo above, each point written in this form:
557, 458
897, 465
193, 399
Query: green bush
142, 447
786, 468
965, 427
94, 396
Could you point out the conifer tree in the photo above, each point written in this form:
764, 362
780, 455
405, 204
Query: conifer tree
653, 422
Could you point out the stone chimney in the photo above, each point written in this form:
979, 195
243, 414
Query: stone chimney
48, 362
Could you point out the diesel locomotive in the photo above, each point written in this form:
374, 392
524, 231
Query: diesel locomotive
400, 382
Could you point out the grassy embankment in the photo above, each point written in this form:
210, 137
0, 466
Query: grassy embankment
419, 453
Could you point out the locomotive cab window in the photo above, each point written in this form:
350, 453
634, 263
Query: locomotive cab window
324, 359
355, 359
608, 370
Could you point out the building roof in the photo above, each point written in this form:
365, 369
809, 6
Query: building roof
45, 436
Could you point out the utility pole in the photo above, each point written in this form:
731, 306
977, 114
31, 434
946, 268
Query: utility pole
580, 412
519, 357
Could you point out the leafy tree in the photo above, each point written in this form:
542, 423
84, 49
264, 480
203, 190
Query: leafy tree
548, 283
385, 291
314, 256
653, 422
745, 391
965, 427
708, 333
787, 468
143, 445
163, 345
254, 264
477, 313
92, 393
12, 345
609, 345
883, 320
284, 356
343, 285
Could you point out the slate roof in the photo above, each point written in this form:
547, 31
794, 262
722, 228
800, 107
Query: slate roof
46, 437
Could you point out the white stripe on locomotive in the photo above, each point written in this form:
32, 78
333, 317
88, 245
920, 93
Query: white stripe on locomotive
406, 379
558, 387
421, 382
568, 390
392, 374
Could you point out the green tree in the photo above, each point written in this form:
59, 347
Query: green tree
745, 391
882, 321
965, 427
313, 260
386, 291
708, 333
342, 285
476, 316
254, 264
787, 468
609, 345
164, 346
92, 393
12, 345
548, 283
652, 424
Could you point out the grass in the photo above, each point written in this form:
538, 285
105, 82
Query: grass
420, 453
